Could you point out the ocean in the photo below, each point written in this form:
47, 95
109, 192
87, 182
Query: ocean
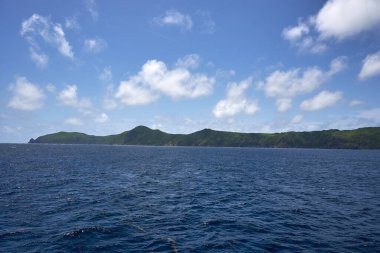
99, 198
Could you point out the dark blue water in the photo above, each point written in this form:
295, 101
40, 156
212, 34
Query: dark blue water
83, 198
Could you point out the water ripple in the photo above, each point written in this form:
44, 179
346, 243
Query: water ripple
67, 198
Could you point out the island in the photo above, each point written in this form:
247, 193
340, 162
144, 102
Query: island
362, 138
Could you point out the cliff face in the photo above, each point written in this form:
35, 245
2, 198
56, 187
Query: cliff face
362, 138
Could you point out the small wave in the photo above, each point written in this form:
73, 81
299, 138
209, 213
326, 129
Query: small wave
12, 233
135, 226
78, 232
173, 243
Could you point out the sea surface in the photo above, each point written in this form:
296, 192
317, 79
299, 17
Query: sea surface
98, 198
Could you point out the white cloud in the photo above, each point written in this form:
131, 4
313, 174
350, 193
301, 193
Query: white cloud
175, 18
40, 59
299, 37
371, 66
74, 121
287, 84
69, 97
314, 46
63, 45
337, 65
92, 9
102, 118
109, 101
356, 102
132, 93
371, 114
50, 88
345, 18
284, 85
207, 23
189, 61
156, 79
283, 104
156, 126
25, 95
339, 19
175, 83
51, 33
297, 119
236, 102
94, 45
106, 74
292, 82
71, 23
322, 100
295, 33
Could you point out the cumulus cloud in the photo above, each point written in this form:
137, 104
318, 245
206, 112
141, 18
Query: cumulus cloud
322, 100
92, 9
50, 88
132, 93
177, 82
51, 33
71, 23
284, 85
175, 18
69, 97
345, 18
297, 81
292, 82
109, 101
101, 118
155, 79
86, 116
73, 121
371, 66
25, 95
236, 102
94, 45
296, 32
106, 74
297, 119
299, 37
39, 58
338, 19
191, 61
283, 104
337, 65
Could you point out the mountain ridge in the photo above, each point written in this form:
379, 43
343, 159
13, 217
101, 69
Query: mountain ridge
361, 138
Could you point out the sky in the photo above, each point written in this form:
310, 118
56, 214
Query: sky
104, 67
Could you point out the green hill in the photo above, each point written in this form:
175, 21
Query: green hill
362, 138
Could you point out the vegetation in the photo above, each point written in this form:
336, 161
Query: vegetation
362, 138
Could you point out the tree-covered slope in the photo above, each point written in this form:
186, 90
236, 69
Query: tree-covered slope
362, 138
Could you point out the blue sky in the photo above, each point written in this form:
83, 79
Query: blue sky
103, 67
